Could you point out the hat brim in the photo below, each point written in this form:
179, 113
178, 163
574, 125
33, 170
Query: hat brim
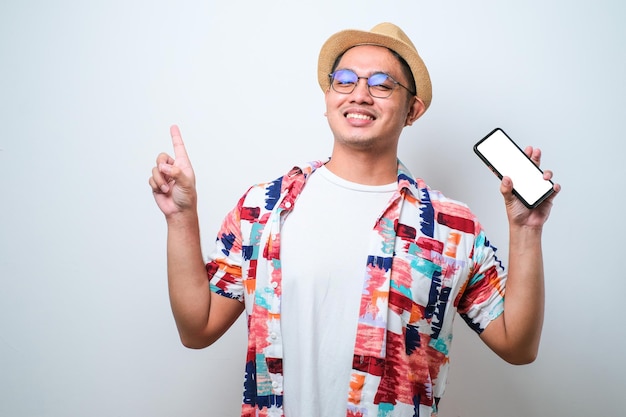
341, 41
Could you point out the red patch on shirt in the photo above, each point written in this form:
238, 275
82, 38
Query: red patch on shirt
457, 223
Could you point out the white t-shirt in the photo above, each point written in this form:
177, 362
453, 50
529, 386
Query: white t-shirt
322, 291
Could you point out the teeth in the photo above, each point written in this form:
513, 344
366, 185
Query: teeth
359, 116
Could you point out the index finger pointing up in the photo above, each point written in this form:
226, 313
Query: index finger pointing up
177, 141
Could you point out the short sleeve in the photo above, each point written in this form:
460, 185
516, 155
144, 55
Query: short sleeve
224, 263
483, 298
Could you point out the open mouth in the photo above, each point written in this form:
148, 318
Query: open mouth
358, 116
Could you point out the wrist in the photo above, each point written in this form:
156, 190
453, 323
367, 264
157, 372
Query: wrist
182, 218
526, 228
525, 236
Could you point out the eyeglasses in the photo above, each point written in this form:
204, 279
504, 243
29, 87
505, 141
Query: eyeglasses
379, 84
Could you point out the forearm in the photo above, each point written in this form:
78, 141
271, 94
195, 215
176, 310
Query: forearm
173, 188
515, 335
189, 291
524, 298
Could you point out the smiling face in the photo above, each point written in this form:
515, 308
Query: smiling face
358, 120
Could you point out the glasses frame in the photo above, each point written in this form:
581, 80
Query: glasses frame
331, 77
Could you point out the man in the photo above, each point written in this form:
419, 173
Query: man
350, 270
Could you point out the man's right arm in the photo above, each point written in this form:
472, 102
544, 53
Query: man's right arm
201, 317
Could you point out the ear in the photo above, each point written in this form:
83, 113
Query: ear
416, 109
326, 100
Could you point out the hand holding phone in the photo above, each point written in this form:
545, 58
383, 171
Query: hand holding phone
505, 158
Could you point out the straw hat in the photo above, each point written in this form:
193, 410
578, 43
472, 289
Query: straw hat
383, 34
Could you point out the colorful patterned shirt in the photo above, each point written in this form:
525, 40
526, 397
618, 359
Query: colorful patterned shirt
429, 258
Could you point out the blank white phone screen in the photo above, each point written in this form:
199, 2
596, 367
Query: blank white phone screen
506, 158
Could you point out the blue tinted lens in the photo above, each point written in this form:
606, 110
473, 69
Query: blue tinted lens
377, 79
345, 76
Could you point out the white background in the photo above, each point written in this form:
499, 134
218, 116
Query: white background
88, 90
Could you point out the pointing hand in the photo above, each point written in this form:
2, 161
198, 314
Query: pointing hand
173, 181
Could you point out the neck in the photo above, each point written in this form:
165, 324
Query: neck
364, 168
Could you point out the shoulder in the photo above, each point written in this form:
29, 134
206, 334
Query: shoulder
448, 208
292, 181
437, 196
427, 195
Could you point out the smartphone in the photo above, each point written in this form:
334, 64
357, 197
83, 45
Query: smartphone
505, 158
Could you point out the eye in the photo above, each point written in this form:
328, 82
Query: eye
381, 81
344, 77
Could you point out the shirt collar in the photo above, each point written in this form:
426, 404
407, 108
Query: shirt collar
406, 181
298, 175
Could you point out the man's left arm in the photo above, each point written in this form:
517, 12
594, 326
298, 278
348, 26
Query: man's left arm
516, 333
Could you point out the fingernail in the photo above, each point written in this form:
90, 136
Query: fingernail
165, 188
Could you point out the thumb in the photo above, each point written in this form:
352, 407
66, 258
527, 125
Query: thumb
174, 174
506, 188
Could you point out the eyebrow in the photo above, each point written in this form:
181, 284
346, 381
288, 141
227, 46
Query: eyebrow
369, 75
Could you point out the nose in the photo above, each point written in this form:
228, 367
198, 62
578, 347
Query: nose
361, 92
